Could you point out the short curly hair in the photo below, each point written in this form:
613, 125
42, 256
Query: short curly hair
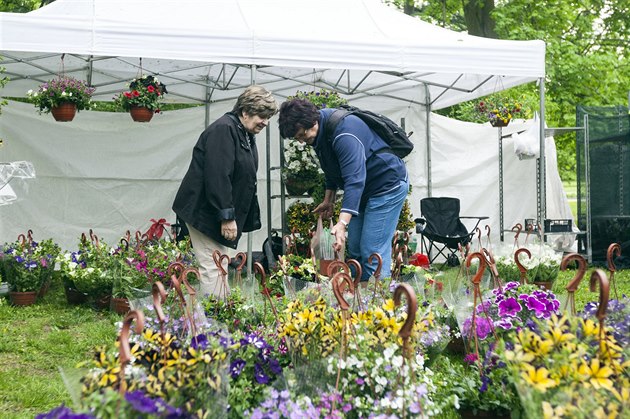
296, 114
256, 100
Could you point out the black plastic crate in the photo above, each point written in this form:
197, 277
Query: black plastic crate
558, 226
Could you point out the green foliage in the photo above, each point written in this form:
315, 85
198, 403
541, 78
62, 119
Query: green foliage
19, 6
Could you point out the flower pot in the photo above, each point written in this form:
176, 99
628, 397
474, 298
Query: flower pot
323, 266
103, 303
499, 123
74, 296
120, 305
298, 186
140, 114
23, 298
64, 112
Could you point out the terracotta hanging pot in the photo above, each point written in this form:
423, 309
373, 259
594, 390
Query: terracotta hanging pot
140, 114
23, 298
65, 112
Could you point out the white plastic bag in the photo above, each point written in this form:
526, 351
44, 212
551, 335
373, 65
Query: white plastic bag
527, 143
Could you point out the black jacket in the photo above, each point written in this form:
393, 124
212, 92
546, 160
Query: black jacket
221, 181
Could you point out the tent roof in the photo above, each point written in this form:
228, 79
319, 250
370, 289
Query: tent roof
205, 50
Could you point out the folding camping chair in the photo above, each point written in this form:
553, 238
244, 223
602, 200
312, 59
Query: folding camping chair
442, 229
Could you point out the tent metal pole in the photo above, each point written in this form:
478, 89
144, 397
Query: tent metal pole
427, 106
250, 237
542, 200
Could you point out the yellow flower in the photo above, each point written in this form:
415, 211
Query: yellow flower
596, 374
590, 328
550, 412
389, 306
538, 378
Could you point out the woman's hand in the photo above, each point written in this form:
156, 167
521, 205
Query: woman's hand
229, 229
339, 231
325, 209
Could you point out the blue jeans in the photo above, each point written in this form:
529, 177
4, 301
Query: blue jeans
373, 229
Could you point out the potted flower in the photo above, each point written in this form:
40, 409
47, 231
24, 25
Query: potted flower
301, 172
62, 97
143, 98
498, 111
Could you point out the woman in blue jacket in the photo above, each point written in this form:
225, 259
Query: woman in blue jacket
356, 160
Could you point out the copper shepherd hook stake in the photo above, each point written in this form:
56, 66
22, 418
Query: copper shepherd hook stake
159, 297
241, 258
517, 229
476, 281
522, 269
356, 302
412, 309
604, 291
125, 352
613, 250
377, 273
222, 284
572, 286
258, 268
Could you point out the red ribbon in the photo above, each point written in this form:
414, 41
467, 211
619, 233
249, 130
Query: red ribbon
157, 228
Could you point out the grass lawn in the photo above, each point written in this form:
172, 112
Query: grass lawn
41, 340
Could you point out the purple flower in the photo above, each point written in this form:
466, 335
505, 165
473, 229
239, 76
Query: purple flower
511, 286
63, 412
199, 342
259, 374
509, 307
274, 366
534, 304
471, 358
236, 367
360, 381
141, 402
505, 324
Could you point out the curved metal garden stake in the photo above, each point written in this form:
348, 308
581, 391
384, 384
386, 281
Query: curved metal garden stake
127, 236
29, 236
337, 266
124, 243
518, 227
494, 272
396, 272
22, 239
94, 238
241, 258
412, 309
356, 302
192, 292
159, 297
572, 286
478, 231
377, 272
124, 351
290, 248
488, 241
219, 260
339, 281
177, 286
175, 268
604, 291
407, 327
613, 250
476, 281
530, 229
522, 269
259, 269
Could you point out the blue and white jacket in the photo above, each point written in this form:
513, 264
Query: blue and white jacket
350, 162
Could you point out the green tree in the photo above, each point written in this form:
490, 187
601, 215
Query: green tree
587, 61
21, 6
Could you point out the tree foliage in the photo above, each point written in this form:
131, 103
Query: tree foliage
587, 60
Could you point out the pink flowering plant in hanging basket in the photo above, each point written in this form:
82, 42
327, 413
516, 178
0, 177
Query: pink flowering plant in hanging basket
63, 89
145, 92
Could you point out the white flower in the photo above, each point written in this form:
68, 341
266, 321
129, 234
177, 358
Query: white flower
63, 93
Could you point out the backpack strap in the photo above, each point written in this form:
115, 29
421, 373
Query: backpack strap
333, 120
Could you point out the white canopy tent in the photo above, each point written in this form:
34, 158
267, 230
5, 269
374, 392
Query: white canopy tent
207, 51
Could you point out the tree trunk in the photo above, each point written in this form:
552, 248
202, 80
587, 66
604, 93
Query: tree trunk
478, 19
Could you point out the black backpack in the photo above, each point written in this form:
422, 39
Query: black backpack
398, 141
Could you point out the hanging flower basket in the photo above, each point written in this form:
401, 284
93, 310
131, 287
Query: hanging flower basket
298, 185
499, 123
140, 114
65, 112
63, 97
143, 98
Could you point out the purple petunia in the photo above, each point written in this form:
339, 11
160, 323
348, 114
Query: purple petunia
509, 307
259, 374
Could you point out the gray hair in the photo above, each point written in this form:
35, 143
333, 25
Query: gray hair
256, 100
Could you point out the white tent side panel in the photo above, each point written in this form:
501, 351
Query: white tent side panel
102, 171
